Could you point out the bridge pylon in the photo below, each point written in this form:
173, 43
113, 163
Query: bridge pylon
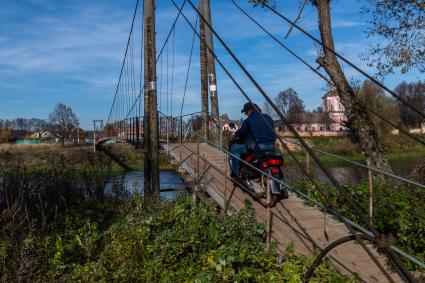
151, 132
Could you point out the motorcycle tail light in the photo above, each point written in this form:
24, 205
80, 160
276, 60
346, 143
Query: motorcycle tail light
274, 162
275, 171
264, 165
248, 158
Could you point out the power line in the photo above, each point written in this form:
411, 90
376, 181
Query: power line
394, 94
337, 212
160, 52
320, 74
125, 55
188, 68
394, 260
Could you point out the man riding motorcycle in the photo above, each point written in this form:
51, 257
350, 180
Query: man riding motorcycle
254, 133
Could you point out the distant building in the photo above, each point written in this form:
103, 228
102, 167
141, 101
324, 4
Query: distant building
42, 135
89, 136
227, 125
331, 119
331, 104
420, 130
313, 122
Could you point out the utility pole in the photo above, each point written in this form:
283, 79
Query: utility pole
94, 132
212, 77
151, 134
204, 74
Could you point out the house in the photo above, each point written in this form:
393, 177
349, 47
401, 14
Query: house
227, 125
420, 130
42, 135
89, 136
331, 104
330, 120
313, 122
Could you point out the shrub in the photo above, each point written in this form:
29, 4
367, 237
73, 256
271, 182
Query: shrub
62, 227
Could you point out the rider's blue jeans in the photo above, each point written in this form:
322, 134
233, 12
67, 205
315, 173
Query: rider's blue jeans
239, 149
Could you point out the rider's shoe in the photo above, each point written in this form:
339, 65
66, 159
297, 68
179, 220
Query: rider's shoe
235, 178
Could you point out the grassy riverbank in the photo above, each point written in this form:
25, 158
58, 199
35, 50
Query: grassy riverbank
59, 225
41, 156
395, 147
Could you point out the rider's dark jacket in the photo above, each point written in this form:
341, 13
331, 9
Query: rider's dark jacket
257, 129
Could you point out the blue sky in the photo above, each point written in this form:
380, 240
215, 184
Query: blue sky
71, 52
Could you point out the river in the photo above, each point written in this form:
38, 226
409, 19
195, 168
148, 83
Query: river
171, 183
352, 174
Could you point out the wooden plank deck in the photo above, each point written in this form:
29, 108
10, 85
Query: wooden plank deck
291, 220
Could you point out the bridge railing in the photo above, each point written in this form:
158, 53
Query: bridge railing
185, 127
188, 129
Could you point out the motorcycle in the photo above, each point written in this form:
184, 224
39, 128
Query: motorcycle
255, 182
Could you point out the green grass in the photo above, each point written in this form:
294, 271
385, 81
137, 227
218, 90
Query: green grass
36, 157
398, 211
62, 226
395, 147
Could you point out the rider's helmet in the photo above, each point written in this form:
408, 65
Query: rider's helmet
250, 106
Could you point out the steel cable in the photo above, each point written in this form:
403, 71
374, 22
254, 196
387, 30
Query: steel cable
125, 55
320, 74
394, 94
395, 260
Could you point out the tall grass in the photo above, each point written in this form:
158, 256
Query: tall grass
398, 210
58, 224
34, 204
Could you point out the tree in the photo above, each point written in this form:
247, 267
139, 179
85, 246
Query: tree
63, 121
289, 103
196, 122
267, 109
414, 94
402, 24
362, 130
374, 96
319, 109
5, 134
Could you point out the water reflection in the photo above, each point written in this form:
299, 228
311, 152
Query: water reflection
352, 174
171, 183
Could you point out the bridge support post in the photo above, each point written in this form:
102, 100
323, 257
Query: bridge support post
133, 130
195, 191
307, 161
137, 131
226, 158
94, 135
205, 9
180, 140
151, 165
130, 126
370, 195
204, 74
268, 217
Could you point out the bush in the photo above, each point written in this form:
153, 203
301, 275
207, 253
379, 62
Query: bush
80, 233
398, 210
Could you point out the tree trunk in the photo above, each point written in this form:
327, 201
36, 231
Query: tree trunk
362, 131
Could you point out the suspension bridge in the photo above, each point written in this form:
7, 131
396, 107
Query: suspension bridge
142, 114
